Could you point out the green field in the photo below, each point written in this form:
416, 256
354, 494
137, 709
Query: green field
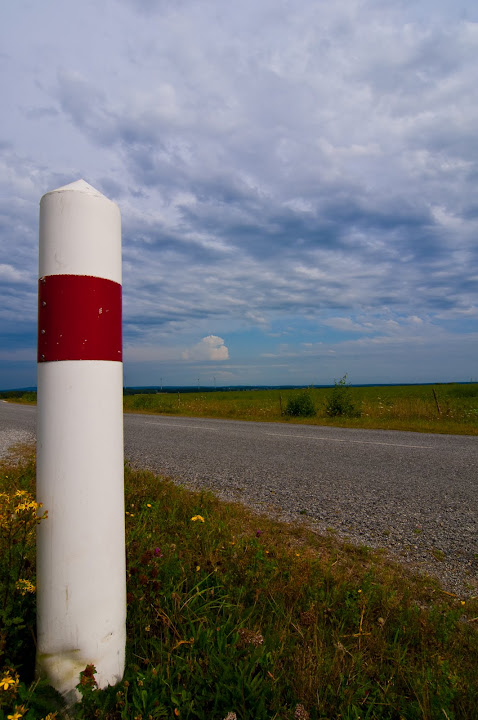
236, 616
450, 408
442, 408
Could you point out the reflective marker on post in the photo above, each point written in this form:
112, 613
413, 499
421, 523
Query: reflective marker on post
81, 578
79, 318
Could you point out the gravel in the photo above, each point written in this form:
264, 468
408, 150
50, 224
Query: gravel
17, 427
10, 438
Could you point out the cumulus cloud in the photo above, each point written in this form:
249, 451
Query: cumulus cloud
211, 347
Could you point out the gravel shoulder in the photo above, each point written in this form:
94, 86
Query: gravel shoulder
16, 428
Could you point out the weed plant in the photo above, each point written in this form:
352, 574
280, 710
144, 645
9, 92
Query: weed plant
234, 615
20, 696
340, 402
19, 516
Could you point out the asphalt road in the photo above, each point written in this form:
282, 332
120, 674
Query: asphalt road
413, 493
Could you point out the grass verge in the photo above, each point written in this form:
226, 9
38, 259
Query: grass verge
231, 614
448, 409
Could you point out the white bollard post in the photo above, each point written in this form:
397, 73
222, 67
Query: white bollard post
81, 578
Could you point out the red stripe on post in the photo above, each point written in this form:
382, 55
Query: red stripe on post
79, 318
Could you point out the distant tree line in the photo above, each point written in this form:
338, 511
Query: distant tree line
27, 395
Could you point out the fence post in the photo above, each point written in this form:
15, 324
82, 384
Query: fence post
81, 579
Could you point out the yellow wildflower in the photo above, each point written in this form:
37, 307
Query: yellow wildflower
197, 517
28, 502
25, 586
7, 682
19, 712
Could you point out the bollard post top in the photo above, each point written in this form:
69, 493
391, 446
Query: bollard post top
79, 186
80, 233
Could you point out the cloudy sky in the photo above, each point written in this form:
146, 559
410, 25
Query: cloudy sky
298, 182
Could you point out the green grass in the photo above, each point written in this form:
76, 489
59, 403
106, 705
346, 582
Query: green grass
449, 408
407, 407
242, 614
